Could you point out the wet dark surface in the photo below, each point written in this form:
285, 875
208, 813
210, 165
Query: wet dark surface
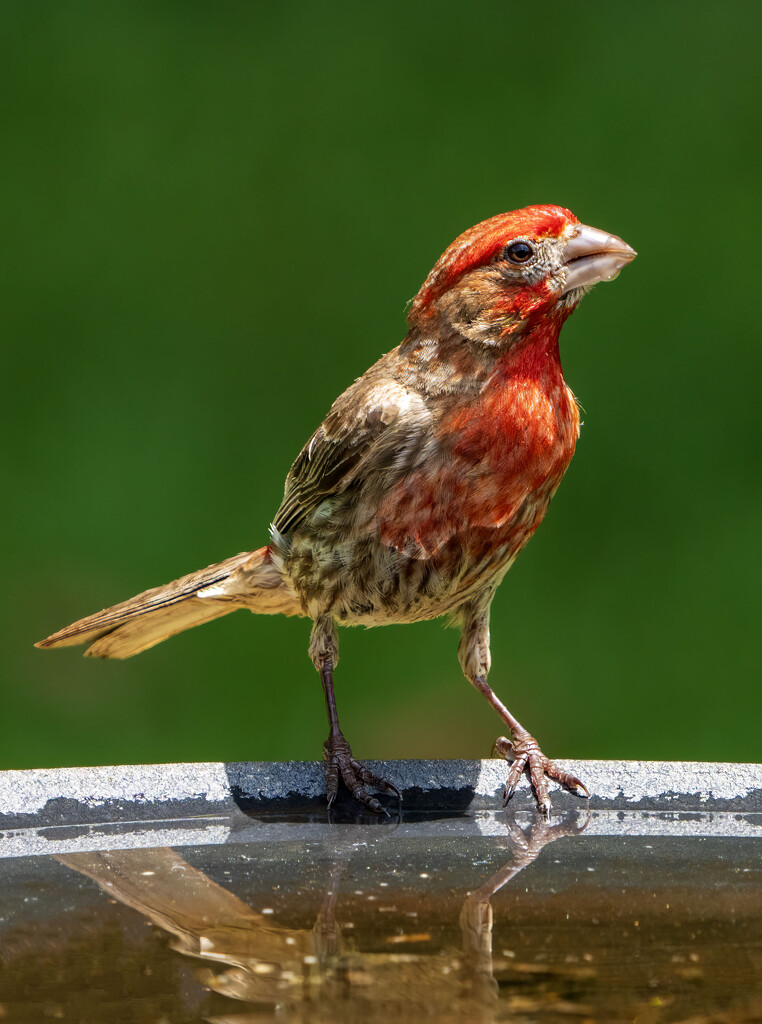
472, 918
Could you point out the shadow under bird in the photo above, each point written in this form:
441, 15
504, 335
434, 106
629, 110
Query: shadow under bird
428, 475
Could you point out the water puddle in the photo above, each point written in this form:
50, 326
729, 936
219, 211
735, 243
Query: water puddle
472, 918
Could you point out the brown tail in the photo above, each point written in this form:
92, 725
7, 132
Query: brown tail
248, 580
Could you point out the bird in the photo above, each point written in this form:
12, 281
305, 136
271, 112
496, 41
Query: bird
426, 478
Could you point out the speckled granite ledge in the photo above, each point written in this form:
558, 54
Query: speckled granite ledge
141, 793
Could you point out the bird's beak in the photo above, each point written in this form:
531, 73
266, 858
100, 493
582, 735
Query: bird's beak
592, 255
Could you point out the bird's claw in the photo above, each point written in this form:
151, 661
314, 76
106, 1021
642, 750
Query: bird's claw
526, 753
339, 762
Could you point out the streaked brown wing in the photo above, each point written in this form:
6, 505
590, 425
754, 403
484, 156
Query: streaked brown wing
376, 422
322, 468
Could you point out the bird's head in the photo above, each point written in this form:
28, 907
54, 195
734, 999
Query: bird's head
515, 270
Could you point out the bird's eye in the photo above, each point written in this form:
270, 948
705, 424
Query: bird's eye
519, 252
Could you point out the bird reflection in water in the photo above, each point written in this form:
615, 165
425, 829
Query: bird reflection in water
316, 974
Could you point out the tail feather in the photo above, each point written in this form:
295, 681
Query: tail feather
247, 580
151, 628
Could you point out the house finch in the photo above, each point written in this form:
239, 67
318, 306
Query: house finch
428, 475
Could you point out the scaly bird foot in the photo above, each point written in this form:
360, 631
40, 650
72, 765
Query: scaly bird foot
526, 753
338, 759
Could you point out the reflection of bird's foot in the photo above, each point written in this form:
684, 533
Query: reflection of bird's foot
339, 761
525, 752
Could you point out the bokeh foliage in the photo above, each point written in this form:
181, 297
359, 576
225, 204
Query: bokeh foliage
213, 215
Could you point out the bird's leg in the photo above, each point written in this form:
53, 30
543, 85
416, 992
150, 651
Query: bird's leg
339, 760
474, 656
337, 754
526, 754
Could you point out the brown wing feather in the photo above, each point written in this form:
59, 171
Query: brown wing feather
363, 427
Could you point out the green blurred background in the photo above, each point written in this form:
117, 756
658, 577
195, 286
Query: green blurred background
213, 216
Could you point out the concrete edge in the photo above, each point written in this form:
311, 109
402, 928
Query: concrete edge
77, 796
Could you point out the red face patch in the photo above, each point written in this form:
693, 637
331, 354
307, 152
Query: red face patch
481, 243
